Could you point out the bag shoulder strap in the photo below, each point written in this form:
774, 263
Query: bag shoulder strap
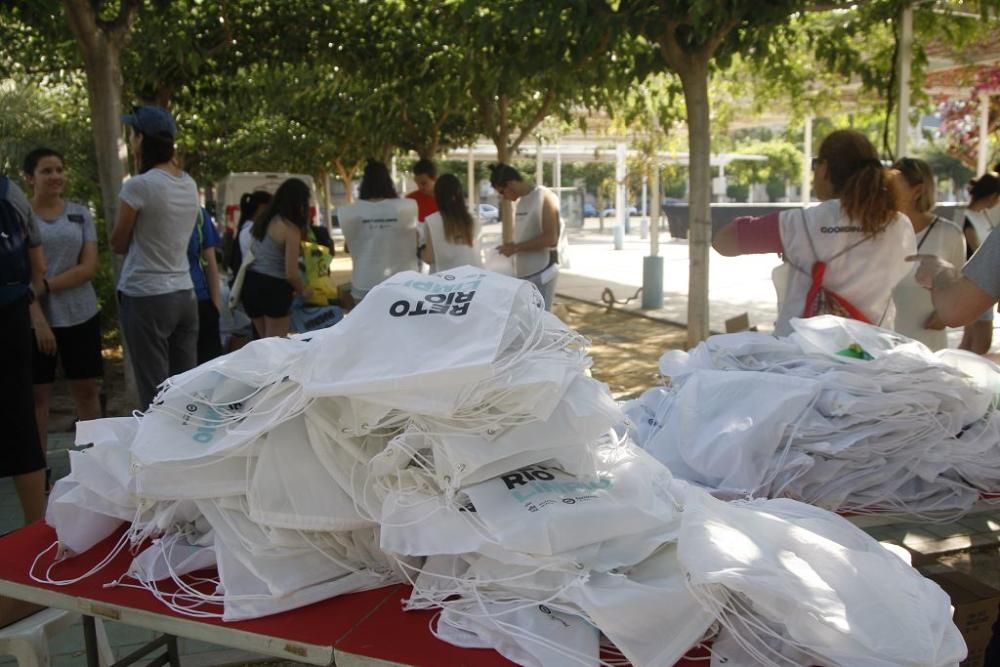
812, 245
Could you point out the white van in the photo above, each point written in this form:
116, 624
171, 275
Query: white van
230, 189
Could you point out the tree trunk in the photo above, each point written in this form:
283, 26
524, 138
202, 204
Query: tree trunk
345, 175
694, 79
101, 45
102, 63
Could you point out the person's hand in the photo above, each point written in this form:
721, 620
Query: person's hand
928, 268
45, 338
507, 249
934, 322
307, 293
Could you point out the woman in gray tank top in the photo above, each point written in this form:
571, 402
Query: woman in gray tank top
273, 277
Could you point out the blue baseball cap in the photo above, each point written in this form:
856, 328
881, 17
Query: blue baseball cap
152, 121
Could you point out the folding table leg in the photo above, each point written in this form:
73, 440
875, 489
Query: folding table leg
172, 653
90, 641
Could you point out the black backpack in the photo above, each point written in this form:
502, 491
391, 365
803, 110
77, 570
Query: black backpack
15, 266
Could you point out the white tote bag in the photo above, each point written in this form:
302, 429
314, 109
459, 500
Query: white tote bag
725, 429
236, 291
543, 510
648, 611
398, 347
839, 594
530, 635
291, 488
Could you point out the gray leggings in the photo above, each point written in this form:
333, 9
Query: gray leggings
161, 335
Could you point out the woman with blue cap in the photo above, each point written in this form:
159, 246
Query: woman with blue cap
156, 216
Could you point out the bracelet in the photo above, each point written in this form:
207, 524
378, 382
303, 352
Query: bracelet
45, 282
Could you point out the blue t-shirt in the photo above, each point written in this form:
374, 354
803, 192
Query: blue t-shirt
209, 238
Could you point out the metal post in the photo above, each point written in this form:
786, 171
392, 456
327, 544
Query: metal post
807, 144
621, 214
644, 223
539, 165
984, 134
652, 266
557, 169
903, 73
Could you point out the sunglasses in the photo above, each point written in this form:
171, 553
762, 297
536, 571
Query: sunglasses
910, 169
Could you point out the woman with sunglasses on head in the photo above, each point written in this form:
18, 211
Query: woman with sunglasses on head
852, 245
156, 215
70, 331
913, 183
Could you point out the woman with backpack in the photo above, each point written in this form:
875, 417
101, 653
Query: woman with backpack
71, 329
845, 255
22, 270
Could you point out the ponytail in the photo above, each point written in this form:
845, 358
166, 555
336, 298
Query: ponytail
868, 199
859, 180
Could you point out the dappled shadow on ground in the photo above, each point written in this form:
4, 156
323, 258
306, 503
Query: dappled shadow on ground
626, 348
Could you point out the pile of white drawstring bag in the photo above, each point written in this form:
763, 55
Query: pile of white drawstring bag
840, 414
447, 434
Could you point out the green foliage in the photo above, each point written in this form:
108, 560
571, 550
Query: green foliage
784, 162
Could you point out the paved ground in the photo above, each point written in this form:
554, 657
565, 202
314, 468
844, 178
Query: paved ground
626, 345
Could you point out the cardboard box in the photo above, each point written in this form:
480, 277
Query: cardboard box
975, 612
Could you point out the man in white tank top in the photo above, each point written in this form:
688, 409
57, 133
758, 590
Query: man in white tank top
536, 230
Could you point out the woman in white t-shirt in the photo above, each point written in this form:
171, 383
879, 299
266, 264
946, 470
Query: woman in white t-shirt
156, 216
981, 217
380, 231
69, 331
452, 232
913, 182
855, 241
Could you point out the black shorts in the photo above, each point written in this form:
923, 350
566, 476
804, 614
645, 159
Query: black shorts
78, 348
266, 296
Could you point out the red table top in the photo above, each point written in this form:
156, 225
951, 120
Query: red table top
370, 624
322, 623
